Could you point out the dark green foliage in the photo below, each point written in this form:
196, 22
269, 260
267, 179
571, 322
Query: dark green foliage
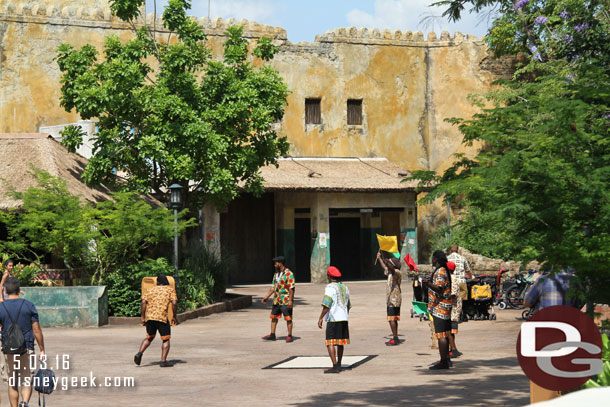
477, 232
125, 285
538, 188
203, 279
168, 113
205, 266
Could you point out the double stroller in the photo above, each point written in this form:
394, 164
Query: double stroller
478, 301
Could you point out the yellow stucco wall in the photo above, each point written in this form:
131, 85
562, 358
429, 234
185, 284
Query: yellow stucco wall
408, 83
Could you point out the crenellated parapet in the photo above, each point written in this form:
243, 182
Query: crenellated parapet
44, 11
375, 36
218, 26
101, 17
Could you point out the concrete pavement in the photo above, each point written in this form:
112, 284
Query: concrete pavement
219, 360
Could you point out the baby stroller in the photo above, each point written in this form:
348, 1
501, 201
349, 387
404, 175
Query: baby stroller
420, 300
479, 304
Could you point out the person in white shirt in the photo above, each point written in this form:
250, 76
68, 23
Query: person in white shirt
335, 310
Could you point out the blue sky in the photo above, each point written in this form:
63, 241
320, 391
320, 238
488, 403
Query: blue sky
303, 19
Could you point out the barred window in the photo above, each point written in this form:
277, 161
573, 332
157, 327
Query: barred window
354, 111
312, 111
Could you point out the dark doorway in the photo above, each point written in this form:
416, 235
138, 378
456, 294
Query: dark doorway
247, 238
345, 246
302, 248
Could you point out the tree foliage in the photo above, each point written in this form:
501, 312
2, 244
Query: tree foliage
539, 182
98, 239
169, 113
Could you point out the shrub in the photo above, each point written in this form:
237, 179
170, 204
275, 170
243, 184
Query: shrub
125, 285
26, 275
204, 277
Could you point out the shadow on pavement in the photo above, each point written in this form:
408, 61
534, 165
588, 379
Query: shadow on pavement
491, 390
465, 365
257, 304
172, 361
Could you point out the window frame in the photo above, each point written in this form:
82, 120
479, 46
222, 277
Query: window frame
313, 117
355, 116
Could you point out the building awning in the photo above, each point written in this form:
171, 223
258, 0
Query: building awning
336, 175
20, 151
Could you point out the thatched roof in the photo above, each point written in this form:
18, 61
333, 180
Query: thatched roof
336, 175
19, 151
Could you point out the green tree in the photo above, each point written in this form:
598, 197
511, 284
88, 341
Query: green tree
127, 227
540, 177
167, 112
50, 221
99, 238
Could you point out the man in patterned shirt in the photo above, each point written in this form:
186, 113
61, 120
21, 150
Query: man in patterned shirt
458, 288
391, 268
154, 316
439, 306
283, 301
462, 267
335, 309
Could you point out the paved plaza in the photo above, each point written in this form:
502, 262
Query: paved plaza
220, 360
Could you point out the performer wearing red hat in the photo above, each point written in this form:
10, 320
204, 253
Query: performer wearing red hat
335, 309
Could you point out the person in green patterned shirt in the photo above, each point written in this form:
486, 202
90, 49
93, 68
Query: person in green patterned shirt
282, 289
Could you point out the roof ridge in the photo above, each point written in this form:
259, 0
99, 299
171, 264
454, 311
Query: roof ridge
51, 151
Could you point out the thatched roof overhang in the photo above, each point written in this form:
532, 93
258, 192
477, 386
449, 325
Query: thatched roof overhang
20, 151
319, 174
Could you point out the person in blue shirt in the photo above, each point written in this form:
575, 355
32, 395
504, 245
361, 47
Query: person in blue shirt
550, 290
24, 313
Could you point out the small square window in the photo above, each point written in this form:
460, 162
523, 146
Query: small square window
354, 112
312, 111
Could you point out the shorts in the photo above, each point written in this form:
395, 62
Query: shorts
164, 329
393, 313
18, 366
442, 327
454, 327
337, 333
278, 310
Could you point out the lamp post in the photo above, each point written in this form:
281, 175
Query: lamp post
175, 200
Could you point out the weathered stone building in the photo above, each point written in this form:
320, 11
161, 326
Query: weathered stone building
354, 92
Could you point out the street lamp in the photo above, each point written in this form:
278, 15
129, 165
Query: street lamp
175, 201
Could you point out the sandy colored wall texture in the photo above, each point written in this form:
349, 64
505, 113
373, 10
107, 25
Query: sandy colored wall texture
408, 83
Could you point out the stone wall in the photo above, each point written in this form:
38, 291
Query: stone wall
484, 265
408, 83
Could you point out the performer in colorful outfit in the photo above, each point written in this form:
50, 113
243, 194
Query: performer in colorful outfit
335, 309
439, 306
283, 301
391, 268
